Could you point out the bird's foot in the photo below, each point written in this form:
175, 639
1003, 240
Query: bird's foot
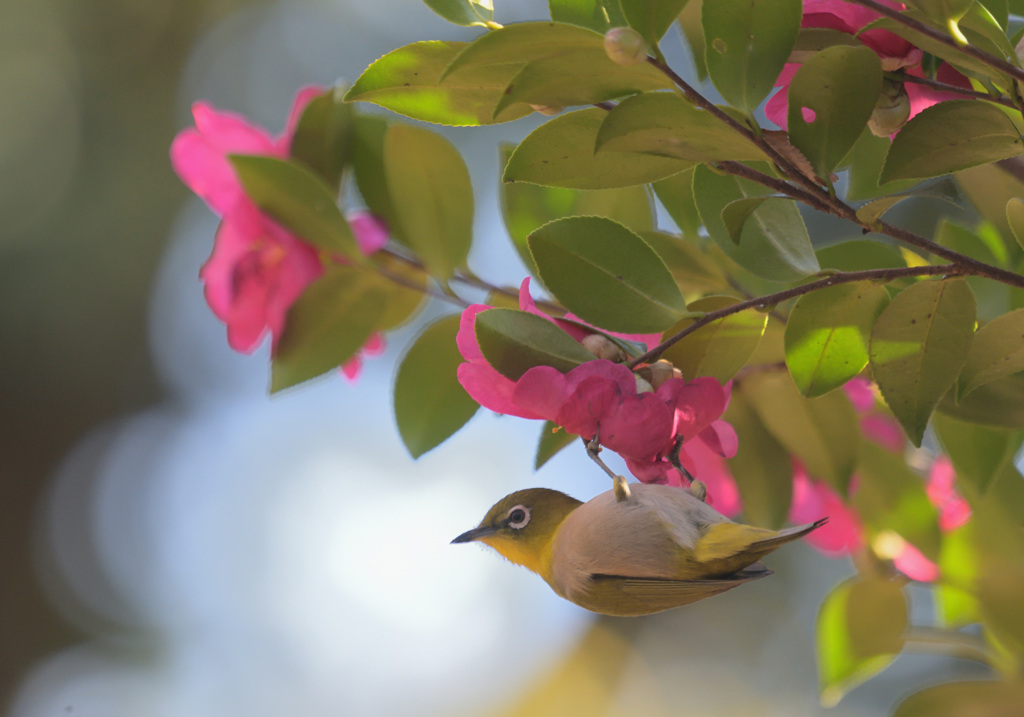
699, 490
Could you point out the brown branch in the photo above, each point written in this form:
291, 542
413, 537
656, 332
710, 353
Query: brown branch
946, 87
764, 302
918, 26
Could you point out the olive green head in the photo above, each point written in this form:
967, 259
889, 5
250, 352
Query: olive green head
521, 525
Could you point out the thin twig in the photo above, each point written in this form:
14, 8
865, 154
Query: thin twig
946, 87
918, 26
769, 300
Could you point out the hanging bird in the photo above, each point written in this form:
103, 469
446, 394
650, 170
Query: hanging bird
634, 550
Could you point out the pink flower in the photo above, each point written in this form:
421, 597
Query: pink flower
894, 52
812, 499
200, 156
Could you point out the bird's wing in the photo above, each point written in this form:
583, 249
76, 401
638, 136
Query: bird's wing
628, 596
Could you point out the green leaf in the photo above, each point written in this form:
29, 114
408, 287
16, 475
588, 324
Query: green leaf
773, 244
891, 497
328, 324
828, 333
918, 346
736, 213
941, 11
822, 432
368, 134
955, 603
978, 452
514, 341
1000, 403
748, 42
859, 255
840, 86
995, 534
524, 207
431, 196
430, 403
950, 136
761, 467
606, 275
718, 349
861, 628
553, 438
693, 33
463, 12
557, 65
1015, 218
299, 200
405, 298
651, 18
964, 699
676, 194
598, 15
665, 125
560, 153
693, 269
406, 81
323, 137
997, 350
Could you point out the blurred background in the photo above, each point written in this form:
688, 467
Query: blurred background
174, 541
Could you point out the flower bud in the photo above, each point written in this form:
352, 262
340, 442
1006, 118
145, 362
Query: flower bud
642, 385
603, 347
625, 46
891, 111
662, 371
547, 110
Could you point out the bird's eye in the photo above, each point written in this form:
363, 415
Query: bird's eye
518, 517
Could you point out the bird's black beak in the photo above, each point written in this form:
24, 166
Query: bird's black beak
475, 534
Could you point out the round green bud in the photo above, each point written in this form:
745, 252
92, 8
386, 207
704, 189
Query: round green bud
625, 46
891, 111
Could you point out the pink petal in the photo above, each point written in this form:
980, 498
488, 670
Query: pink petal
712, 470
885, 431
922, 97
858, 390
813, 500
490, 389
720, 437
542, 390
640, 428
352, 368
370, 232
695, 404
465, 339
954, 511
230, 133
205, 170
916, 566
374, 345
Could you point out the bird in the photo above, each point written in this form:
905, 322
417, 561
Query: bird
633, 550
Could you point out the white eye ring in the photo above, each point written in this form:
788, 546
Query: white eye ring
517, 517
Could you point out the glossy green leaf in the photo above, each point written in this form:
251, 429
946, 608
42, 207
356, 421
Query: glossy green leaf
431, 196
407, 287
1000, 403
553, 438
891, 497
964, 699
997, 350
736, 213
406, 81
514, 341
773, 244
525, 207
693, 32
582, 77
323, 137
945, 190
918, 346
598, 15
463, 12
955, 602
941, 11
822, 432
328, 324
651, 18
748, 42
998, 543
865, 161
665, 125
560, 153
838, 87
430, 404
694, 270
1015, 218
860, 255
978, 452
676, 194
761, 467
558, 65
606, 275
950, 136
298, 199
368, 134
828, 332
861, 626
718, 349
